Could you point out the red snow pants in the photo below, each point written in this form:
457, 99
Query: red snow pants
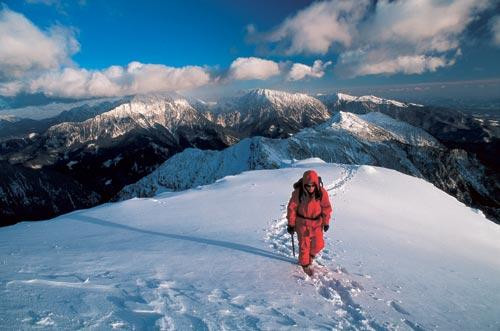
310, 234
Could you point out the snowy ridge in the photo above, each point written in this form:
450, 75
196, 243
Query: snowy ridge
339, 98
375, 126
370, 98
262, 105
194, 167
342, 138
402, 131
141, 112
265, 97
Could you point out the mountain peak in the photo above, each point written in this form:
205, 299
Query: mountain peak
272, 95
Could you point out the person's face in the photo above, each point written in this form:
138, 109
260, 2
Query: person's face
309, 187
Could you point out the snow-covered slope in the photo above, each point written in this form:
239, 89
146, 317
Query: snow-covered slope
377, 126
400, 255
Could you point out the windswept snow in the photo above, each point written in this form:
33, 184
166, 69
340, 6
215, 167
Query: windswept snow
400, 255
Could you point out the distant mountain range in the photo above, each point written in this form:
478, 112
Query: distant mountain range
93, 152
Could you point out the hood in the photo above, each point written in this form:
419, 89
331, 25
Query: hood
310, 176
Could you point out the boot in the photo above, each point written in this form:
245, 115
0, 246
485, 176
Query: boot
307, 269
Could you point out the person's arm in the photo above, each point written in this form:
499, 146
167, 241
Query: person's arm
292, 208
326, 207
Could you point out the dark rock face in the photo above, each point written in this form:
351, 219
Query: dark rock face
94, 174
28, 194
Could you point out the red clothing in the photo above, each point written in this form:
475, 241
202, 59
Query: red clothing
308, 213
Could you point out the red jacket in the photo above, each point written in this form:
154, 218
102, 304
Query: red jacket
313, 208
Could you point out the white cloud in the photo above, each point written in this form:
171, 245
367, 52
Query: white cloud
410, 36
415, 64
301, 71
32, 60
386, 61
10, 88
246, 68
423, 25
495, 29
25, 49
315, 28
116, 80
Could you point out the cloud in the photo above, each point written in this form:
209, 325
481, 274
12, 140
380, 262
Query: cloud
422, 25
32, 60
384, 37
495, 29
415, 64
314, 29
26, 49
136, 78
246, 68
300, 71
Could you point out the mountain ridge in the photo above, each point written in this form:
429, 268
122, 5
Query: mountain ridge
123, 143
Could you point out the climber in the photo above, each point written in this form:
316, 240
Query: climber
308, 214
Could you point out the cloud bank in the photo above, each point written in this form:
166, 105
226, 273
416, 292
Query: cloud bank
49, 69
33, 60
136, 78
411, 36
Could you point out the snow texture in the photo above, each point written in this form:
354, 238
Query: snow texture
400, 255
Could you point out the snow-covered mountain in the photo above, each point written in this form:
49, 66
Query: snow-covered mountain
103, 153
346, 137
400, 255
105, 146
36, 120
452, 127
268, 113
141, 113
374, 139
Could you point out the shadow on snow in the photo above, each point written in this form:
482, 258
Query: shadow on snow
219, 243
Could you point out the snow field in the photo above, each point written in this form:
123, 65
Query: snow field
400, 254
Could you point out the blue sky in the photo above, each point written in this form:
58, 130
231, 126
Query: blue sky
105, 48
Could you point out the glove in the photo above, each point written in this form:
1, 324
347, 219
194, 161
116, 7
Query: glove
326, 227
290, 229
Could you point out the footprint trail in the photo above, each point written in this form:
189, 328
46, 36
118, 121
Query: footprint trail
334, 286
